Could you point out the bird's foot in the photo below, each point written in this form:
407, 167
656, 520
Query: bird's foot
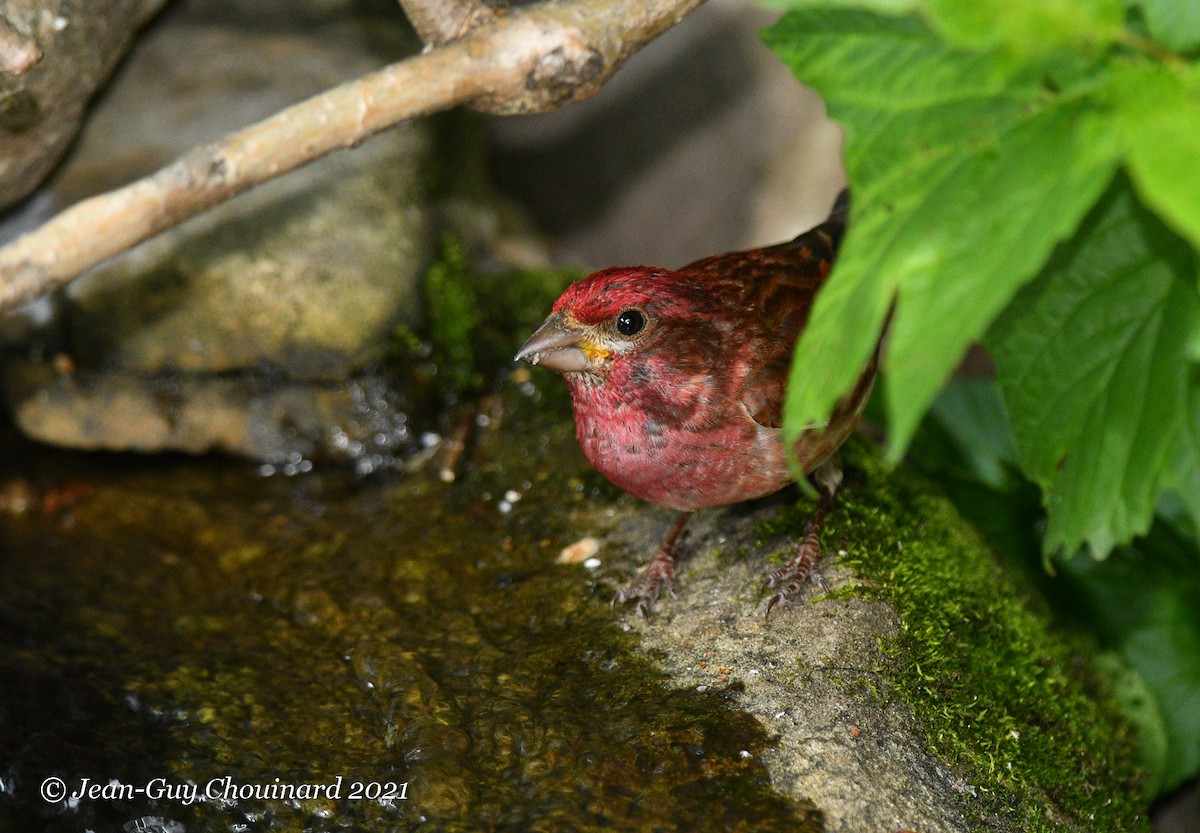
659, 576
791, 579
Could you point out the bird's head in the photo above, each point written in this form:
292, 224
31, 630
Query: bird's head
605, 317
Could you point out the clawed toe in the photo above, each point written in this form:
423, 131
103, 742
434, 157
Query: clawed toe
791, 579
791, 583
795, 573
660, 574
659, 577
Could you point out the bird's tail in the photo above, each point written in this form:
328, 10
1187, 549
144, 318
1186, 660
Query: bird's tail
826, 236
839, 216
841, 208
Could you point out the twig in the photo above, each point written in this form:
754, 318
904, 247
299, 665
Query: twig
454, 446
529, 60
440, 21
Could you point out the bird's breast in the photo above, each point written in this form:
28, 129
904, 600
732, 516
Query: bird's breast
676, 465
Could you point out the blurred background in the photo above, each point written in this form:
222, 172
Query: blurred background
703, 143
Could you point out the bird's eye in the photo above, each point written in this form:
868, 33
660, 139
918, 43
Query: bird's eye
630, 322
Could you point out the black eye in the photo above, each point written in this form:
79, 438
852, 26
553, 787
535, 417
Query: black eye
630, 322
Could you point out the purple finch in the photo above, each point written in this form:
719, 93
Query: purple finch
677, 381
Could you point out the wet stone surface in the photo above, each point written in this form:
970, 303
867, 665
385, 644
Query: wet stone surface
194, 622
189, 621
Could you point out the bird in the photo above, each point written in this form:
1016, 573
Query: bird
677, 380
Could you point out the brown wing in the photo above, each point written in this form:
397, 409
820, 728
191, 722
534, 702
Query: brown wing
772, 290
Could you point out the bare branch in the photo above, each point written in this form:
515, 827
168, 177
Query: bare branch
531, 60
440, 21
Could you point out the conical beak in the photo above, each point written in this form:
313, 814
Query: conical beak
556, 346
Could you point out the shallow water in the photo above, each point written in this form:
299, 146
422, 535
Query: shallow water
170, 628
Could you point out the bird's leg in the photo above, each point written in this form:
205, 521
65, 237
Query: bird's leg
806, 565
659, 575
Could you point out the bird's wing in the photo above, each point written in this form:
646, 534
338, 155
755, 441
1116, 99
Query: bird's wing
782, 300
777, 285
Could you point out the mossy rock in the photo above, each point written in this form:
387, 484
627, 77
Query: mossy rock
928, 691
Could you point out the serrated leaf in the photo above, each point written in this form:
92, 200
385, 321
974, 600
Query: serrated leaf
1092, 361
1158, 112
964, 177
1175, 23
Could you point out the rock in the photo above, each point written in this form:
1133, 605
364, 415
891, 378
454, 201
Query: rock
80, 42
305, 274
861, 760
925, 692
254, 314
279, 422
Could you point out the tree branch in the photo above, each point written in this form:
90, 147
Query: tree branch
441, 21
529, 60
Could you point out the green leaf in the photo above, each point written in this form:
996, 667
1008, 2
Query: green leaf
1092, 361
1175, 23
1158, 114
972, 416
1184, 477
1142, 605
1015, 27
1027, 27
1140, 704
881, 6
965, 175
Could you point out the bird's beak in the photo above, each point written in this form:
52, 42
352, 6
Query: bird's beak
558, 346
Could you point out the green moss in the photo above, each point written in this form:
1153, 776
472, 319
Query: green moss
467, 345
454, 317
1004, 699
